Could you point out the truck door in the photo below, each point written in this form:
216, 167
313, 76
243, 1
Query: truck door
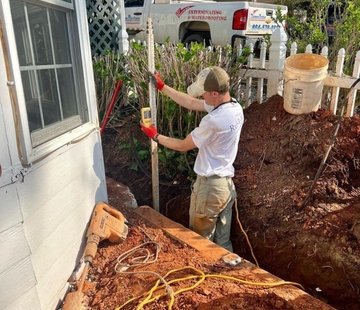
261, 19
136, 17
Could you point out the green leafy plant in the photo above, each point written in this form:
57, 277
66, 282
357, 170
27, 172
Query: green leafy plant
109, 68
139, 153
178, 65
332, 23
347, 33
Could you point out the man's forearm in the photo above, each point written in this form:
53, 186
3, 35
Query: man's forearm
176, 144
183, 99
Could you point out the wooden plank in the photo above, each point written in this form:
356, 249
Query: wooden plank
207, 248
14, 247
332, 81
10, 213
261, 73
28, 301
342, 82
15, 281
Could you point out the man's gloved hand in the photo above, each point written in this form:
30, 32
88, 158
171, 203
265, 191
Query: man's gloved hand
150, 131
158, 80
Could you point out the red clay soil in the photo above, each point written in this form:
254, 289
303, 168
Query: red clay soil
107, 288
316, 243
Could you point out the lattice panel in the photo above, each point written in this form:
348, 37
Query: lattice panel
104, 25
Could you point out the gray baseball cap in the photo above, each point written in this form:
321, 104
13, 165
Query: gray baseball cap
209, 79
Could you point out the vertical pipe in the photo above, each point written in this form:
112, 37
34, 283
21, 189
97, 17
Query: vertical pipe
152, 98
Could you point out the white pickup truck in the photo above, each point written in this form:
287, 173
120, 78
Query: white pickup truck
215, 22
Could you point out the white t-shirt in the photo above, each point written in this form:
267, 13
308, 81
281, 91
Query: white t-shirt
217, 139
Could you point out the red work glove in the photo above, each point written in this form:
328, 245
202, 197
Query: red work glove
150, 131
158, 80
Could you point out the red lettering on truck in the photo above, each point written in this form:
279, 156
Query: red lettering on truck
206, 12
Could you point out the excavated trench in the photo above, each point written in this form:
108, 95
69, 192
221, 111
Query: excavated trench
314, 243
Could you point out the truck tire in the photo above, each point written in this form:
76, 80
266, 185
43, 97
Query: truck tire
198, 38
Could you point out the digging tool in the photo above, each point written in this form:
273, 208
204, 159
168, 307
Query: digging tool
106, 223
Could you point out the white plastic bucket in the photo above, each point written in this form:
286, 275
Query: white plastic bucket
304, 76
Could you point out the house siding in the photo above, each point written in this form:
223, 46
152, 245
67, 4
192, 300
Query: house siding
45, 208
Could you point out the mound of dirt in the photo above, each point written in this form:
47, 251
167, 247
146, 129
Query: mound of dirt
303, 222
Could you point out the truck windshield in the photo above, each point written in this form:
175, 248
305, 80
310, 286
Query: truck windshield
133, 3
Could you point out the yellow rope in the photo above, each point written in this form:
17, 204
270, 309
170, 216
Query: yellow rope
200, 278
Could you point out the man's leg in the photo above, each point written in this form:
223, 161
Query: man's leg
210, 199
223, 224
198, 217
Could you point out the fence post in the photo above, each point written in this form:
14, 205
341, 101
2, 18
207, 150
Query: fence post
339, 72
352, 95
260, 85
276, 61
293, 49
308, 49
249, 79
325, 51
239, 50
123, 35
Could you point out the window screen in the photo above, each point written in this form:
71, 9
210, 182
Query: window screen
45, 40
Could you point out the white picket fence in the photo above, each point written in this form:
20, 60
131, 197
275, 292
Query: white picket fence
271, 73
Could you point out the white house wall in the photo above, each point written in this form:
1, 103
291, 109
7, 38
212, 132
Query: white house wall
4, 150
17, 276
29, 298
43, 219
55, 217
45, 209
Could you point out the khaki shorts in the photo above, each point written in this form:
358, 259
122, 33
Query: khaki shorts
211, 208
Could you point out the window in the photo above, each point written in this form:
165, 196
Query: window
54, 94
134, 3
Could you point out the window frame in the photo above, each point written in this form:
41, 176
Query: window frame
83, 73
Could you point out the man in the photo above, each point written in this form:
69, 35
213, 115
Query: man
217, 138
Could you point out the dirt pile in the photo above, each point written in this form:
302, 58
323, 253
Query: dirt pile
316, 243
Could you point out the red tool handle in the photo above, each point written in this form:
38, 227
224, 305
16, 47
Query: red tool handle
111, 105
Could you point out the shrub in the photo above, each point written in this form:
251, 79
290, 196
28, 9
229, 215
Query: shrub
178, 66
